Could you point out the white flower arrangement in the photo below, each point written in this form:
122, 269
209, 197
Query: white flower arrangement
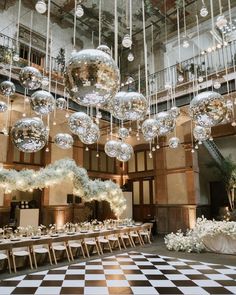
192, 240
89, 190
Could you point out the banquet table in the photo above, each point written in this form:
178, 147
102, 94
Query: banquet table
220, 243
8, 244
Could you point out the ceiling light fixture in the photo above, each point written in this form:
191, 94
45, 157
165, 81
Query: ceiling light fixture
41, 6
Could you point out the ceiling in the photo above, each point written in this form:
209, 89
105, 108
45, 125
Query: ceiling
160, 13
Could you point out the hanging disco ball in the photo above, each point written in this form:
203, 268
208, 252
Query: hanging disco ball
3, 107
63, 140
165, 122
173, 142
90, 135
208, 108
61, 103
29, 135
30, 78
42, 102
79, 122
129, 106
104, 48
45, 81
127, 41
7, 88
150, 129
92, 77
123, 132
216, 84
174, 111
125, 152
221, 21
112, 148
201, 133
130, 57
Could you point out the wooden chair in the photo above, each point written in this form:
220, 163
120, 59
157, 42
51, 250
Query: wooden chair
59, 246
21, 252
41, 249
135, 237
102, 241
114, 239
146, 233
77, 245
125, 237
91, 242
4, 255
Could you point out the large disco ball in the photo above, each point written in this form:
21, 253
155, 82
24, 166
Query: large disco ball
7, 88
30, 78
79, 122
42, 102
150, 129
63, 140
91, 134
112, 148
61, 103
3, 107
208, 108
173, 142
123, 132
92, 77
125, 152
165, 122
201, 133
29, 135
129, 106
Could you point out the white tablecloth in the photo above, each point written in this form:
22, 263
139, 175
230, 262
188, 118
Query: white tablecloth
220, 244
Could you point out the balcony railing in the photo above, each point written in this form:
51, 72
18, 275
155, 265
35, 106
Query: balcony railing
8, 45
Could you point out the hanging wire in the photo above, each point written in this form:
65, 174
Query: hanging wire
47, 40
116, 32
75, 20
184, 12
130, 20
220, 7
18, 27
145, 57
30, 41
100, 22
178, 32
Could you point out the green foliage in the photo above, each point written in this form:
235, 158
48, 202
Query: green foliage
226, 170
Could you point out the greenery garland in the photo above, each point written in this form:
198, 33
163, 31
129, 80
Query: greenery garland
87, 189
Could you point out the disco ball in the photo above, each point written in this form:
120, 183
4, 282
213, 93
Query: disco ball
30, 78
90, 135
123, 132
61, 103
7, 88
3, 107
112, 148
42, 102
221, 21
208, 108
201, 133
217, 84
174, 111
129, 106
92, 77
165, 122
150, 129
104, 48
63, 140
125, 152
79, 122
173, 142
29, 135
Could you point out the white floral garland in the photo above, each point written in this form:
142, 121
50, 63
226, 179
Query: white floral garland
192, 240
89, 190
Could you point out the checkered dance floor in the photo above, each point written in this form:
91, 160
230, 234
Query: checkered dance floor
128, 273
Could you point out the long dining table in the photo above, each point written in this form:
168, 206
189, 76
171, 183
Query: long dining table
8, 244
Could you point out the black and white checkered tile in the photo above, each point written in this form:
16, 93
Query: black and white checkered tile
128, 273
